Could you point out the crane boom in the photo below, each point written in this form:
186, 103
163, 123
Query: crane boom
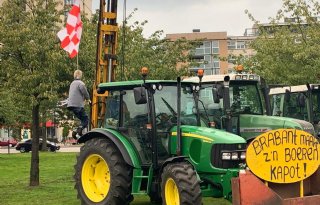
106, 56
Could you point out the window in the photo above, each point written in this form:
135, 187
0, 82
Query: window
207, 47
68, 2
207, 58
240, 45
316, 106
296, 106
199, 51
208, 72
231, 45
134, 119
275, 102
245, 98
216, 63
215, 47
232, 59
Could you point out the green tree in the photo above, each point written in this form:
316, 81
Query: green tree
289, 54
31, 60
165, 59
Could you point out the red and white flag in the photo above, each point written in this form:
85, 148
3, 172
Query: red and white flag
70, 35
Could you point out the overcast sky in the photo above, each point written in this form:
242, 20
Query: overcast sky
181, 16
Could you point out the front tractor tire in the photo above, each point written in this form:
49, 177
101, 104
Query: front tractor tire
179, 185
102, 176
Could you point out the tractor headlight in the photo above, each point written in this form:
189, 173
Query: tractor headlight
238, 77
234, 156
226, 156
154, 87
243, 155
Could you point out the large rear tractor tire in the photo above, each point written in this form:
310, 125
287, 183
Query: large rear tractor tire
180, 185
102, 176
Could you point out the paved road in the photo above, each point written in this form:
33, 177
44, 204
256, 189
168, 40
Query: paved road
68, 148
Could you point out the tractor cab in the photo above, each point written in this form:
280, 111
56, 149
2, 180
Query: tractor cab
239, 103
141, 109
300, 102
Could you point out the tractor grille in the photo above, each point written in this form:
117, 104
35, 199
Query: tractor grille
217, 159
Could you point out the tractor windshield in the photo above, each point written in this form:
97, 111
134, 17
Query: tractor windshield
245, 98
166, 107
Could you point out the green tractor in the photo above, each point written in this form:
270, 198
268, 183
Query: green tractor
239, 103
301, 102
149, 142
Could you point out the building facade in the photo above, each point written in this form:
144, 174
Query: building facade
85, 7
218, 52
238, 47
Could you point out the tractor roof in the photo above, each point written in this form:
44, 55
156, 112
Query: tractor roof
220, 78
293, 89
132, 84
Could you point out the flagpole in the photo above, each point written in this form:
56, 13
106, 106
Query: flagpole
77, 62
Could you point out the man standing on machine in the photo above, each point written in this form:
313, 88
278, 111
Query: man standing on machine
78, 94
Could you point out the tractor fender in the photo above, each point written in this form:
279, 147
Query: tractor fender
172, 160
178, 159
126, 149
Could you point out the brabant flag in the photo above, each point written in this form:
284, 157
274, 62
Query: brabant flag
70, 35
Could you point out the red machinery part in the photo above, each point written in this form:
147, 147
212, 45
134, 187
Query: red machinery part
247, 189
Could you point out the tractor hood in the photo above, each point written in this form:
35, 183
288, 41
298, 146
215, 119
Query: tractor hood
254, 125
209, 135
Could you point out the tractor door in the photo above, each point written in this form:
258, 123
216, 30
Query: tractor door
132, 118
296, 107
165, 101
316, 106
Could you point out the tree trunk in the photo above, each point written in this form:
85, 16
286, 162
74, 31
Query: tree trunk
34, 169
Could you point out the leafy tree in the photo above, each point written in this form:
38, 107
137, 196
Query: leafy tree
289, 54
31, 60
165, 59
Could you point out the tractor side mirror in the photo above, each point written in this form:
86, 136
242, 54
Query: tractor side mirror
216, 99
301, 100
287, 96
217, 93
140, 96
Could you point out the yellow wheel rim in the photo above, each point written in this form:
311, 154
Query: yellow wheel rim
95, 178
171, 193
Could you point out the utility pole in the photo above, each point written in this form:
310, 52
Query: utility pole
8, 140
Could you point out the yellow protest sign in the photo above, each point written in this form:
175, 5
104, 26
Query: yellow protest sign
283, 155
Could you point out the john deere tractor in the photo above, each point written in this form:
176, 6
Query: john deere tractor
148, 142
239, 103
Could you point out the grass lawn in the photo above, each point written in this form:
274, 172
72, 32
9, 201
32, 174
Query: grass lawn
56, 181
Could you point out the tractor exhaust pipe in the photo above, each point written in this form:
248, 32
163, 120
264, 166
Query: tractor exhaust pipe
226, 103
178, 150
